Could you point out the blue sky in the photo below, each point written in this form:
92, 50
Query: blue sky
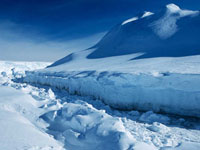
46, 30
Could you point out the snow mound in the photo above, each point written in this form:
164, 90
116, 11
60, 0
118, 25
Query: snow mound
80, 126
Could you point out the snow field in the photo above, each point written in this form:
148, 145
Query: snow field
80, 126
18, 120
83, 123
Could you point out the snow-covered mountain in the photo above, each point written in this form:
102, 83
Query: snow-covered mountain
157, 82
146, 65
172, 32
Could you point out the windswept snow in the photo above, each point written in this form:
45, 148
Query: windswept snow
18, 116
146, 14
167, 25
172, 8
129, 20
20, 126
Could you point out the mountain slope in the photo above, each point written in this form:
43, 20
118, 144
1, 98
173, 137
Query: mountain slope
170, 33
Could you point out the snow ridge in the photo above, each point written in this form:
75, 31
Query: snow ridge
165, 92
166, 26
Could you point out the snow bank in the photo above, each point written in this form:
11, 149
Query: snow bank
18, 111
164, 92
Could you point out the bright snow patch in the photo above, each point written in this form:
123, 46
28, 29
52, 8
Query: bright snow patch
18, 114
173, 8
146, 14
129, 20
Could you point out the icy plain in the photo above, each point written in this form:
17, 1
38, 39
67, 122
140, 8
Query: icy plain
36, 117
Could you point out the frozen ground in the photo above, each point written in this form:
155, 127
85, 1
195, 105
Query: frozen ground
31, 112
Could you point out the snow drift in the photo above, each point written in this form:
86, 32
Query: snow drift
18, 120
163, 81
80, 126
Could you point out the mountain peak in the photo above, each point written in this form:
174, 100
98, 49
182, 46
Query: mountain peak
173, 8
167, 33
